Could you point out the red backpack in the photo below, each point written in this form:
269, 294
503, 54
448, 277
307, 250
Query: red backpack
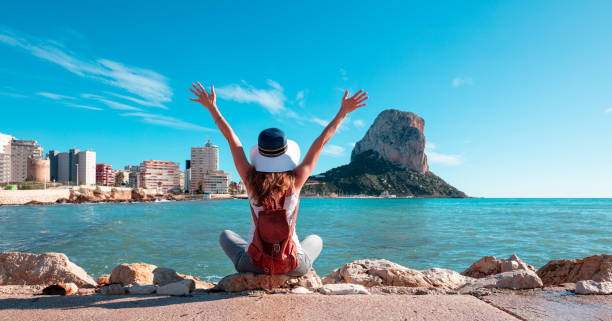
273, 249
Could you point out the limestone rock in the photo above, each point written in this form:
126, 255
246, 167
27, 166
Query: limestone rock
103, 279
113, 289
17, 268
518, 279
133, 274
445, 279
300, 290
142, 289
146, 274
309, 280
593, 287
398, 137
249, 281
382, 272
61, 289
490, 265
86, 291
597, 268
181, 288
343, 288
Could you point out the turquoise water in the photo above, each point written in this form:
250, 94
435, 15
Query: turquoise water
417, 233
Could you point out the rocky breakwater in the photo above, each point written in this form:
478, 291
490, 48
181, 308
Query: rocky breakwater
592, 275
55, 274
100, 194
389, 159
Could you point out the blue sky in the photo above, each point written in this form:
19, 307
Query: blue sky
516, 96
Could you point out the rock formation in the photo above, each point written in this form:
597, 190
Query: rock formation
517, 279
41, 269
382, 272
248, 281
390, 159
490, 265
593, 287
140, 274
597, 268
398, 137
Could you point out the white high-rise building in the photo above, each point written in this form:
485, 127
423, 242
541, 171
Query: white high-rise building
203, 159
5, 158
86, 168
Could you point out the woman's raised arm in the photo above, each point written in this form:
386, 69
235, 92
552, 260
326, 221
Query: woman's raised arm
303, 171
210, 102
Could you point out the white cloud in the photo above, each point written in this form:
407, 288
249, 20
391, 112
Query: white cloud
299, 98
358, 123
54, 96
438, 158
12, 94
167, 121
110, 103
445, 159
460, 81
320, 121
352, 144
138, 101
609, 110
272, 99
145, 83
343, 74
83, 106
333, 150
467, 141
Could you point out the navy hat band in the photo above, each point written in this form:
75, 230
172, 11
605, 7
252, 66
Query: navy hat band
272, 152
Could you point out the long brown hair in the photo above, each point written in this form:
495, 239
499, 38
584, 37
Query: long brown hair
266, 189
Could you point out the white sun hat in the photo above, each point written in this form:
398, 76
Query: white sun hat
274, 153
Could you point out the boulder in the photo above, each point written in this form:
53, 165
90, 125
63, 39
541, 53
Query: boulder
300, 290
593, 287
142, 289
17, 268
147, 274
61, 289
518, 280
133, 274
112, 289
86, 291
382, 272
249, 281
103, 279
181, 288
343, 288
490, 265
597, 268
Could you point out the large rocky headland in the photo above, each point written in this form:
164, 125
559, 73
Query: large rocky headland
389, 160
490, 289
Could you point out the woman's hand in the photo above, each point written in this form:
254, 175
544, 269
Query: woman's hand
207, 100
350, 104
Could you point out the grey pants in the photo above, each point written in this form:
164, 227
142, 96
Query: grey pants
235, 247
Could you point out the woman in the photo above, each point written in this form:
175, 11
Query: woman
273, 179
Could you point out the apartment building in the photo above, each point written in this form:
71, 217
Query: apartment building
160, 175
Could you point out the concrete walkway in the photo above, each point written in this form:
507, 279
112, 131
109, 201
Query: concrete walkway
221, 306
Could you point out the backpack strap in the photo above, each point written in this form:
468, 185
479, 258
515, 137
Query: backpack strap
281, 203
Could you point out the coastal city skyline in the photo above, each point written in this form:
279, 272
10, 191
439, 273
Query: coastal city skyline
25, 161
538, 127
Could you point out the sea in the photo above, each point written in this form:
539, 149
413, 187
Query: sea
416, 233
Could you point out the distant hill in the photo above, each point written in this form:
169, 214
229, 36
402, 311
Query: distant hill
389, 159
